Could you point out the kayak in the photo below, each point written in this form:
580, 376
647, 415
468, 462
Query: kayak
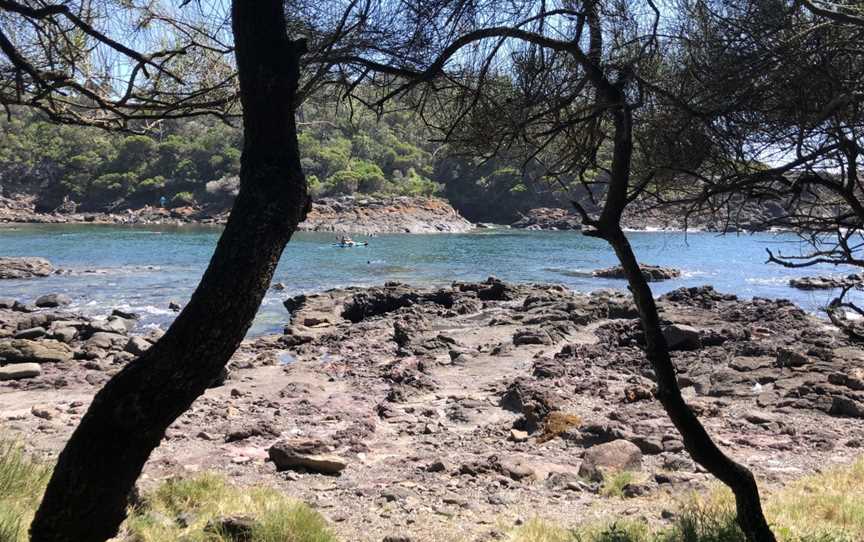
351, 244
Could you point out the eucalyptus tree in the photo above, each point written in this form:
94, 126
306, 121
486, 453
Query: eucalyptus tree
590, 91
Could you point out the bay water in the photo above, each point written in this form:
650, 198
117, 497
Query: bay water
143, 268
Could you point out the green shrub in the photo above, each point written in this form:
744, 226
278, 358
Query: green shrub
182, 198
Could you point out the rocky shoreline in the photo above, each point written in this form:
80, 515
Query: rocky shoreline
452, 410
374, 215
346, 214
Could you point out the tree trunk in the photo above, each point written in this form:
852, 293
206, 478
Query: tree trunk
87, 496
697, 441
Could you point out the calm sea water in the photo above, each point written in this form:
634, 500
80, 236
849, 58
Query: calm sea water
143, 268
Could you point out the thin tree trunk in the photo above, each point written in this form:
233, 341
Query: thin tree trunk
87, 496
697, 441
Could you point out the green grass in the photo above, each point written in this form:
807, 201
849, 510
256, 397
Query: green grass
826, 507
22, 482
615, 482
175, 510
182, 508
537, 530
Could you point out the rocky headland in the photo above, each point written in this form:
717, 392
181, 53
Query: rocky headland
384, 215
423, 412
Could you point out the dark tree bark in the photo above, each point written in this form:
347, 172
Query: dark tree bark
697, 441
87, 496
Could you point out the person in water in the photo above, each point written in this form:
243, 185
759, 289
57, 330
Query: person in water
346, 240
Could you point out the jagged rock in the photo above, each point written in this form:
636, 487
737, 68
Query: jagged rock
293, 304
64, 334
531, 336
853, 379
652, 273
492, 289
681, 337
618, 455
19, 371
31, 333
844, 406
699, 296
533, 402
305, 455
126, 315
791, 358
380, 301
24, 268
45, 351
826, 283
53, 300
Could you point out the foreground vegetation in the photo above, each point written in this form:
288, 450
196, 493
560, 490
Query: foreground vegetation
826, 507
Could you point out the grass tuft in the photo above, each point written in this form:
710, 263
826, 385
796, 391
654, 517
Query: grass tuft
22, 482
556, 423
183, 508
615, 482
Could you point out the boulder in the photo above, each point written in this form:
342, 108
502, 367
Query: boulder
531, 336
681, 337
24, 268
25, 350
18, 371
137, 345
534, 402
618, 455
64, 334
791, 358
53, 300
652, 273
106, 341
846, 407
127, 315
31, 333
111, 325
305, 455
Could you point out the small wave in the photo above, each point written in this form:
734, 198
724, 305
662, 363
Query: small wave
767, 280
589, 273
